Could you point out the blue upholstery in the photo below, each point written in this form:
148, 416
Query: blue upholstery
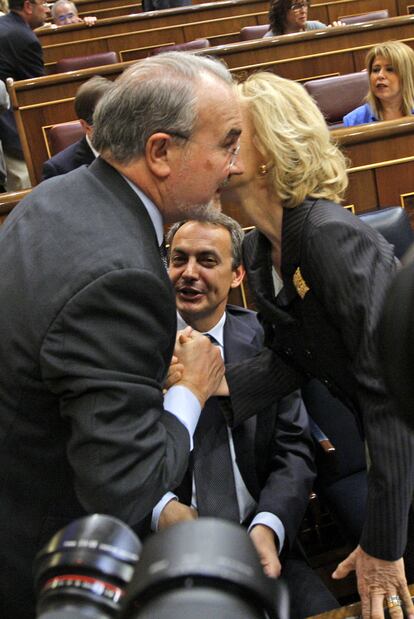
393, 223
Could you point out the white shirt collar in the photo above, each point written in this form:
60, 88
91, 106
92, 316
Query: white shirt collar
217, 331
151, 209
95, 152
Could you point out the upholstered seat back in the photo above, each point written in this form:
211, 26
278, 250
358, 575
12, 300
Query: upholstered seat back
253, 32
63, 135
336, 96
85, 62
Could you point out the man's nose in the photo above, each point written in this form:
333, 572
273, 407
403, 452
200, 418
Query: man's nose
190, 270
238, 166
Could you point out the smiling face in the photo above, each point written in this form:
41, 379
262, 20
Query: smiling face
201, 271
385, 82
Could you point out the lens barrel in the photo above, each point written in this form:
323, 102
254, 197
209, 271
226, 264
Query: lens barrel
85, 568
208, 567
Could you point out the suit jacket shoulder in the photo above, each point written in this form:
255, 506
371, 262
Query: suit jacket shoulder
72, 157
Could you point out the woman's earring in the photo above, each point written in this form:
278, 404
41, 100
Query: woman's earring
263, 170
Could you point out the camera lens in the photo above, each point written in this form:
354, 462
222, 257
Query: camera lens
84, 569
203, 568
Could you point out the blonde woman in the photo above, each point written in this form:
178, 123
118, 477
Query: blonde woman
319, 276
390, 68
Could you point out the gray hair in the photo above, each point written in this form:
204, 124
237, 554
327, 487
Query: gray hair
59, 3
214, 217
158, 93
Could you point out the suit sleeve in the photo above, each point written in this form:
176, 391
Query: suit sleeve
292, 470
31, 59
349, 271
105, 357
49, 170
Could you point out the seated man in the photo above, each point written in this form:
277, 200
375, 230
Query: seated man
65, 12
82, 151
261, 473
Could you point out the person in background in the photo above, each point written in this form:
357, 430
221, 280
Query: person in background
291, 16
319, 277
390, 67
81, 152
157, 5
21, 58
65, 12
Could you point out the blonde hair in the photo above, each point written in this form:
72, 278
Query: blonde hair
292, 134
401, 57
4, 6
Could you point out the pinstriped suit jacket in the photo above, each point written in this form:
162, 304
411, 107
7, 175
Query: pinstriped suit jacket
331, 334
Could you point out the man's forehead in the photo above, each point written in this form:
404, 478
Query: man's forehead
201, 236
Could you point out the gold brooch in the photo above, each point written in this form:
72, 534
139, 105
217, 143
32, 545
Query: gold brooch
299, 283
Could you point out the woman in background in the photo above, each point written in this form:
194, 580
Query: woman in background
390, 68
290, 16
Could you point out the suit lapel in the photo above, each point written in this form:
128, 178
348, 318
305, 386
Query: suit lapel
240, 343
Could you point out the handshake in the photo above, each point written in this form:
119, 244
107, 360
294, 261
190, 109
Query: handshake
198, 365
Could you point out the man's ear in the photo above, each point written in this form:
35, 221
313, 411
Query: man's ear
158, 154
238, 276
87, 129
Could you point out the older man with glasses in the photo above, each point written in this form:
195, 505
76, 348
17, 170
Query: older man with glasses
65, 12
83, 424
21, 58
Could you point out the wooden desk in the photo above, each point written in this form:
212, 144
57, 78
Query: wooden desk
319, 53
45, 101
133, 36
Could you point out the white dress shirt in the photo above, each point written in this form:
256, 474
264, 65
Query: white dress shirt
179, 401
246, 502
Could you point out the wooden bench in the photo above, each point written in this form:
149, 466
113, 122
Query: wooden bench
313, 54
133, 36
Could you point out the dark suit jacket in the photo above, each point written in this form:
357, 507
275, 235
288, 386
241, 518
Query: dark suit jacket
69, 159
274, 450
326, 326
157, 5
21, 58
86, 336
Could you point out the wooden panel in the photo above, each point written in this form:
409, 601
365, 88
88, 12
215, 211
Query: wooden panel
298, 57
151, 19
268, 53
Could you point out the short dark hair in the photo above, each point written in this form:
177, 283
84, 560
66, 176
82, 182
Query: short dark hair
88, 96
214, 217
16, 5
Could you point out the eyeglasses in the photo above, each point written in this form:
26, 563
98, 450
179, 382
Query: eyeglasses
297, 6
41, 3
63, 18
232, 151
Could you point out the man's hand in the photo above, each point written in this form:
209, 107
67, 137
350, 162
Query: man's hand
203, 364
89, 20
263, 539
175, 373
377, 579
175, 512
